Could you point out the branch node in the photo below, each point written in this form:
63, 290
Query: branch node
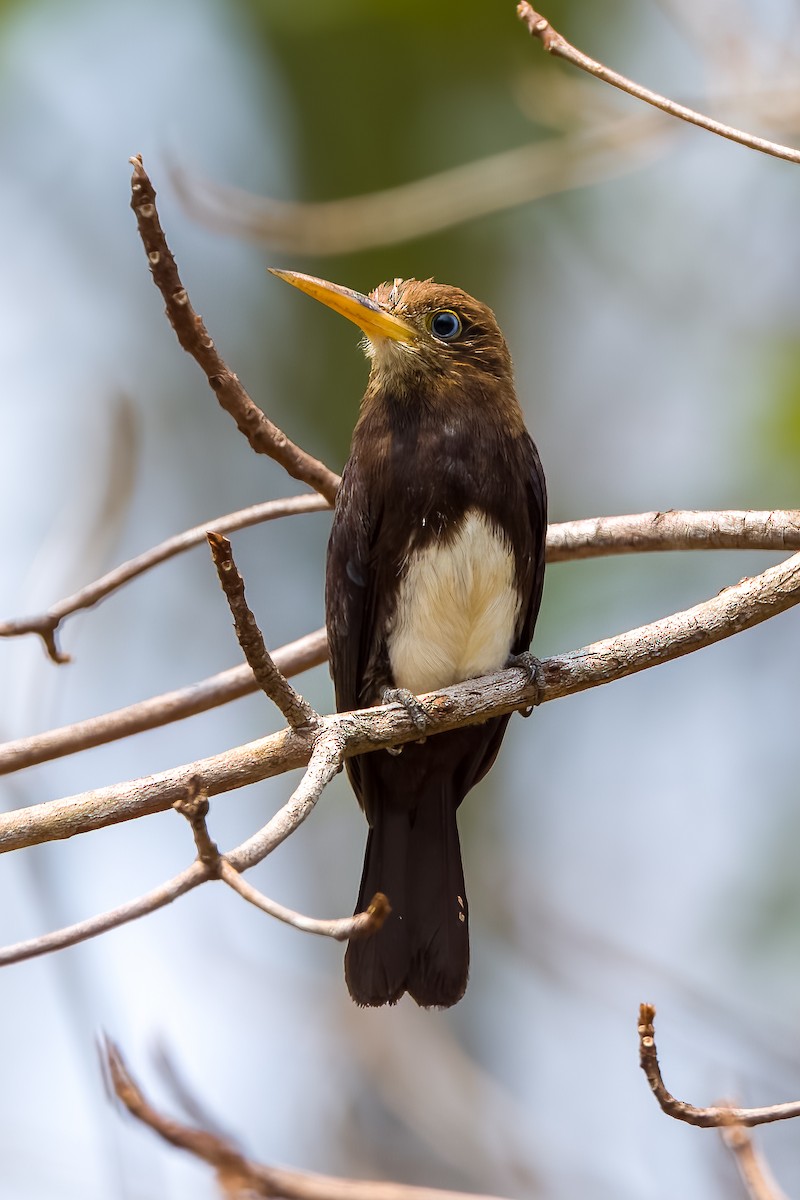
538, 26
368, 922
49, 636
194, 807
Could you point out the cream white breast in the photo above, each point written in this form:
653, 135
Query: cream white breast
457, 609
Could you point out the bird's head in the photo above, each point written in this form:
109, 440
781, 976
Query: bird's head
420, 335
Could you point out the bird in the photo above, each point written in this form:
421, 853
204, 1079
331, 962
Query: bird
434, 575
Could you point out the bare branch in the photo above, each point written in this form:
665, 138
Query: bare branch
705, 1118
308, 651
756, 1175
428, 205
249, 763
589, 538
194, 807
274, 685
46, 624
261, 433
324, 762
778, 529
557, 45
82, 931
677, 529
745, 604
239, 1176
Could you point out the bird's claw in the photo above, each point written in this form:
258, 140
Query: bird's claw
414, 709
532, 666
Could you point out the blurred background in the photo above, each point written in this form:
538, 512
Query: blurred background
637, 842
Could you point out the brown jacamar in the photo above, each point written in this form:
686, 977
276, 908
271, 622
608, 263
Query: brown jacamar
435, 573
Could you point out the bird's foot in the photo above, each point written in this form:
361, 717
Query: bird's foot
532, 667
412, 706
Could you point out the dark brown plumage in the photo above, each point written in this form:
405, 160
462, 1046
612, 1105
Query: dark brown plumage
435, 573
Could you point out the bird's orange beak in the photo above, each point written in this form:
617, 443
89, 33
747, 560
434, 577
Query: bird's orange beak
376, 322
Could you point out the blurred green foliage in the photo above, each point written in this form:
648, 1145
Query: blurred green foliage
383, 93
380, 95
779, 418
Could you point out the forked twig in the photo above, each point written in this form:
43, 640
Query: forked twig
742, 606
569, 541
46, 624
239, 1176
324, 763
194, 806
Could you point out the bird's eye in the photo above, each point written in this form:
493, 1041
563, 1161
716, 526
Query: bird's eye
445, 325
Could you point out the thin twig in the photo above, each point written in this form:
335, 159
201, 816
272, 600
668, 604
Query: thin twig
261, 433
308, 651
324, 762
742, 606
590, 537
342, 929
46, 624
756, 1175
82, 931
572, 540
677, 529
240, 1176
705, 1118
557, 45
274, 685
194, 807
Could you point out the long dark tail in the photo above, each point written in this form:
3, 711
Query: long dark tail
414, 857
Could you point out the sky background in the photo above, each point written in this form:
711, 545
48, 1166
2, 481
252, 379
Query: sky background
637, 842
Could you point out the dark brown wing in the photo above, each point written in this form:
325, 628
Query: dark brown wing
353, 601
349, 591
533, 561
530, 536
